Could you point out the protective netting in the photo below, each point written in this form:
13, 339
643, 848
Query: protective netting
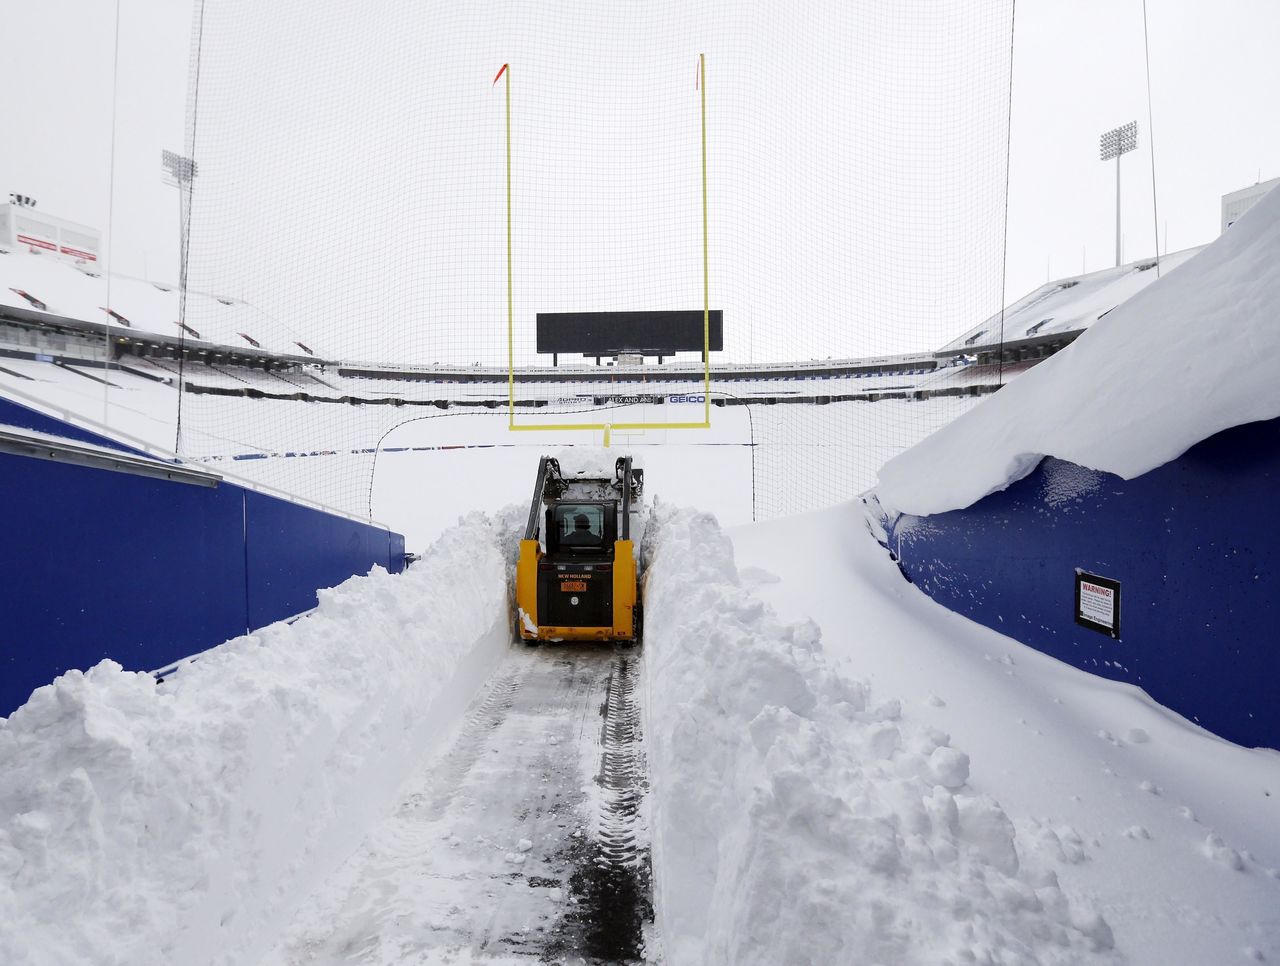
352, 195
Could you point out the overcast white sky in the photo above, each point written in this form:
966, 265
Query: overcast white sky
1078, 70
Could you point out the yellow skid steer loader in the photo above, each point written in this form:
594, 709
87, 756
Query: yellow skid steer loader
576, 575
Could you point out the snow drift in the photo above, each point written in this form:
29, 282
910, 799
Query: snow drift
1189, 356
178, 823
799, 820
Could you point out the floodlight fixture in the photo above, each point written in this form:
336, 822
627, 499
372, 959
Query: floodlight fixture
1112, 144
22, 201
1119, 140
179, 172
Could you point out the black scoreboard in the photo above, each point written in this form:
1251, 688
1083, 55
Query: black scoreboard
613, 333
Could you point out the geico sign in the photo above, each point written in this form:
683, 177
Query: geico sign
686, 399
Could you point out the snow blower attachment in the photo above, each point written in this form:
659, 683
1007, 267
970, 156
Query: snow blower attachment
576, 572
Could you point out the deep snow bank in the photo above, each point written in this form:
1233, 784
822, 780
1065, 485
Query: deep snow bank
1189, 356
800, 820
178, 823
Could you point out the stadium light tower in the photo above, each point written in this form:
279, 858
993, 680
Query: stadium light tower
180, 171
1119, 140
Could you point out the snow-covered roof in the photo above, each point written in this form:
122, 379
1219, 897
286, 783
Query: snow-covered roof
1067, 304
1190, 355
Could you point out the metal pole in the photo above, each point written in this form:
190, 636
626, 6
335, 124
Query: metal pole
182, 239
1115, 144
1117, 211
511, 344
706, 284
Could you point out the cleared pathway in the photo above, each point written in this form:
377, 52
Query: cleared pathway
527, 841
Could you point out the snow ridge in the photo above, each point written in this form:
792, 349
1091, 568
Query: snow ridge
799, 821
1187, 357
145, 823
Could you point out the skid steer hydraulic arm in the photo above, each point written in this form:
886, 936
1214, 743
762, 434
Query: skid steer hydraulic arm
548, 472
625, 466
530, 531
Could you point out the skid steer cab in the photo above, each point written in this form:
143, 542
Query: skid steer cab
576, 572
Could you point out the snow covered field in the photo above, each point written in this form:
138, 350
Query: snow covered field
390, 462
840, 444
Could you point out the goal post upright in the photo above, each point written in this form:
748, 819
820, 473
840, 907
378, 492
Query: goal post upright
511, 348
706, 283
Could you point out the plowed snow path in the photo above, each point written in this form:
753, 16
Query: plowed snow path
527, 841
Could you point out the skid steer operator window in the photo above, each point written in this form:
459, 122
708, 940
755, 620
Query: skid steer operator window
580, 525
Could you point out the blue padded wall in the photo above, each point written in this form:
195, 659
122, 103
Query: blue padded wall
97, 564
292, 550
1195, 545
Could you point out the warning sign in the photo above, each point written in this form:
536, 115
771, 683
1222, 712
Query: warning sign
1098, 603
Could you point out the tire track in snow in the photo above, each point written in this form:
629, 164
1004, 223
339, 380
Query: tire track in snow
480, 724
622, 766
527, 841
612, 918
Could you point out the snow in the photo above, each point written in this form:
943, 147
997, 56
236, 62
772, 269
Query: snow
475, 456
1136, 811
840, 771
149, 306
1068, 304
501, 467
326, 454
801, 816
179, 822
490, 852
1187, 357
591, 462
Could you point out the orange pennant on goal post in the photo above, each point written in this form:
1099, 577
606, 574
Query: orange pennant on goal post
500, 73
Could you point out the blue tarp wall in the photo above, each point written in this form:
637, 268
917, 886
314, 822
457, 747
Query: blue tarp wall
1195, 545
97, 564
